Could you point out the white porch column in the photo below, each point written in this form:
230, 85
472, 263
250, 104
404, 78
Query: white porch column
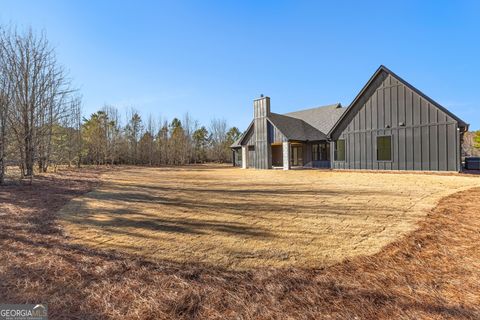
286, 155
244, 156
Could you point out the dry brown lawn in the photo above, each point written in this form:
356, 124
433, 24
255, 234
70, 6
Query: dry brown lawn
430, 273
241, 219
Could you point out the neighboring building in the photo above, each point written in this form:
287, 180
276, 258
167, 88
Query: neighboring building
390, 125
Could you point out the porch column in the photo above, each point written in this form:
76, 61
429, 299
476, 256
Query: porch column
286, 155
244, 157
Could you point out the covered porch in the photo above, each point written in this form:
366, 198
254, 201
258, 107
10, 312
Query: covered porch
298, 154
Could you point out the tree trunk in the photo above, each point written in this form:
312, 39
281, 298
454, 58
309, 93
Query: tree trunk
2, 163
2, 148
29, 156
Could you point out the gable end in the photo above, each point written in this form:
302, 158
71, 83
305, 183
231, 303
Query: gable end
383, 78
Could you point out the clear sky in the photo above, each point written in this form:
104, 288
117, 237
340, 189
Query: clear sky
212, 58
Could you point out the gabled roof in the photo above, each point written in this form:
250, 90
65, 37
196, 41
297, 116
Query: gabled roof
322, 118
383, 69
309, 124
295, 129
238, 143
319, 123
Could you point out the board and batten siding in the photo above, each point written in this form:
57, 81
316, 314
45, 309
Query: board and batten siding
263, 151
262, 135
274, 135
423, 136
249, 139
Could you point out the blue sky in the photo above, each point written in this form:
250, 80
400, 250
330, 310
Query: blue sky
212, 58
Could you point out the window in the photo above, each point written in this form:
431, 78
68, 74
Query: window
320, 151
339, 151
315, 152
384, 148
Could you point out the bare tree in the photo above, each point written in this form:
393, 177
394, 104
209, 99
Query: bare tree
218, 131
112, 130
5, 101
66, 135
162, 143
151, 128
190, 126
39, 88
77, 139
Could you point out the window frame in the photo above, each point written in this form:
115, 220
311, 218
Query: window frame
315, 153
391, 147
335, 150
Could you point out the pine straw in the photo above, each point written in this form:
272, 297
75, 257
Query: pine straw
432, 273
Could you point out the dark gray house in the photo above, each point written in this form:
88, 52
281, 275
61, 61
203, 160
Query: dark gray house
390, 125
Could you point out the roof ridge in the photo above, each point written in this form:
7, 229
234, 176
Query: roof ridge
337, 105
402, 81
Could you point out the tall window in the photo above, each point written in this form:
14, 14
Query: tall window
320, 151
316, 152
384, 148
339, 151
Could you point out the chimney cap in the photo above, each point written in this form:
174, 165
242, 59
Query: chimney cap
262, 97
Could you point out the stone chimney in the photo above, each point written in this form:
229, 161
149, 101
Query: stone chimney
261, 110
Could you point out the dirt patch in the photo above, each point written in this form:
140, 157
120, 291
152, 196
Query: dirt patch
240, 219
431, 273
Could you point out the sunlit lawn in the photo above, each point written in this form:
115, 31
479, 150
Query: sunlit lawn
241, 219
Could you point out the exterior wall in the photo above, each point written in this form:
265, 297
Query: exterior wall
423, 136
263, 158
250, 138
274, 135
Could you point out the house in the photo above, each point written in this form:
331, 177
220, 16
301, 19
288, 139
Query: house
390, 125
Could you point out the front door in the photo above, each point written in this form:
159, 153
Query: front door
297, 156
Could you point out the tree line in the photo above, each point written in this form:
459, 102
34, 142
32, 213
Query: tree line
105, 140
41, 122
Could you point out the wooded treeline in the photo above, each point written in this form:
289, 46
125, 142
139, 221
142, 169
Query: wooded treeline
41, 121
105, 140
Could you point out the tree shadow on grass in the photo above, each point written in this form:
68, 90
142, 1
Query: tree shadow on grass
245, 203
122, 218
84, 283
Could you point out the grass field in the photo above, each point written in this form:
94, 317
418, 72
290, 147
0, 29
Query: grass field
240, 219
430, 273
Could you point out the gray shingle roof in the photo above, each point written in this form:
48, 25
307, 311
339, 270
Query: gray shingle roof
237, 144
322, 118
309, 124
295, 129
